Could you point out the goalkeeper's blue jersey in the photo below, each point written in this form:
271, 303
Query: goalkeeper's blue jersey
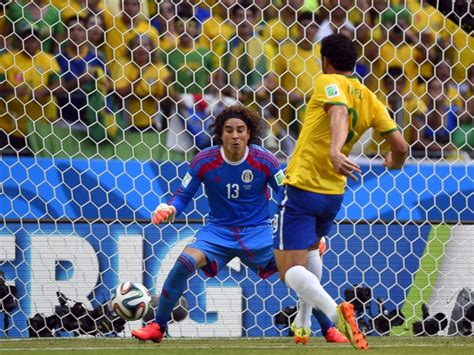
237, 191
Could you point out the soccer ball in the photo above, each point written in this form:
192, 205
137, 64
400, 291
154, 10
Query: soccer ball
131, 301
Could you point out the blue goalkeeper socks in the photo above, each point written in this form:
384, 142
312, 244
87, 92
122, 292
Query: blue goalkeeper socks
323, 321
175, 284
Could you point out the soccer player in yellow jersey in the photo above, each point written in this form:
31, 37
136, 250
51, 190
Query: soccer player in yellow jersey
339, 112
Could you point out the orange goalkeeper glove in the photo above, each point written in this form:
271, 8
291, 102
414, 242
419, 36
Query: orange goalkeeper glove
322, 246
163, 213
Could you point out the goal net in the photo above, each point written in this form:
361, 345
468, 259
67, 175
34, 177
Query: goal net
104, 103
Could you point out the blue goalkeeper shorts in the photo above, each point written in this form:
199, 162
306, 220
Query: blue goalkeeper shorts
253, 245
303, 218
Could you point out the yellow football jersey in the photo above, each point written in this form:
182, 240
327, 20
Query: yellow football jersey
310, 168
118, 35
150, 86
37, 72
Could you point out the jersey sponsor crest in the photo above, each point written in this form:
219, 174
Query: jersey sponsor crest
331, 91
279, 176
247, 176
186, 180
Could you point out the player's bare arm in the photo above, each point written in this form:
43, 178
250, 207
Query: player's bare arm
398, 153
339, 126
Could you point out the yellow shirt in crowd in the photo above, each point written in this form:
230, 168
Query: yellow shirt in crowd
401, 56
215, 33
413, 106
119, 35
276, 32
18, 68
142, 104
310, 168
297, 69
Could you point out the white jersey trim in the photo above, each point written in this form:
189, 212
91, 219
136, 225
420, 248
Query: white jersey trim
235, 162
281, 245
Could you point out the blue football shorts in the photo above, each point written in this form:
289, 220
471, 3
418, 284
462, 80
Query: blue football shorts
253, 245
303, 218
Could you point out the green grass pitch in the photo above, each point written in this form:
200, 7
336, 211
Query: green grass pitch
241, 346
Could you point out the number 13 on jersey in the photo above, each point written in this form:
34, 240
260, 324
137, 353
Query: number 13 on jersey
232, 191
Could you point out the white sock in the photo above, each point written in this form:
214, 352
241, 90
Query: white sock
309, 289
315, 266
315, 263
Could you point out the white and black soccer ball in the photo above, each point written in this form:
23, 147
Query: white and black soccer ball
130, 301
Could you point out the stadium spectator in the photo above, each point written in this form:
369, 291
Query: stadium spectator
43, 15
463, 136
466, 87
297, 66
398, 50
375, 36
430, 35
124, 27
317, 174
192, 83
281, 28
2, 26
81, 8
404, 107
141, 82
337, 19
195, 76
165, 17
265, 12
442, 71
246, 60
164, 22
217, 29
84, 81
342, 16
434, 130
96, 35
27, 79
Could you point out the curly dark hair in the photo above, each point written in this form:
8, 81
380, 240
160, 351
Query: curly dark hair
252, 119
340, 51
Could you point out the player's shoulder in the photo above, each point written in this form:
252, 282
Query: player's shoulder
264, 155
323, 78
206, 155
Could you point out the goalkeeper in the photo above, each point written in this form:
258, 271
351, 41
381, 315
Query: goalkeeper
236, 175
339, 112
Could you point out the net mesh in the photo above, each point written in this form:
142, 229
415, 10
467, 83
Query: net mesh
103, 103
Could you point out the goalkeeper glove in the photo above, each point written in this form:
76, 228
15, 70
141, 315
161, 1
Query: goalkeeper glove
163, 213
322, 246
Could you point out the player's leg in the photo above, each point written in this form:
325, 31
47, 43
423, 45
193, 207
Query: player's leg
302, 323
294, 233
175, 284
315, 265
288, 256
205, 252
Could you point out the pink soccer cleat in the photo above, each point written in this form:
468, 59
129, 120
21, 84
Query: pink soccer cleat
152, 331
335, 336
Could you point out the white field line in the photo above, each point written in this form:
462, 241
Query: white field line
203, 347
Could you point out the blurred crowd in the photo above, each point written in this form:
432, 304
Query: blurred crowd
112, 67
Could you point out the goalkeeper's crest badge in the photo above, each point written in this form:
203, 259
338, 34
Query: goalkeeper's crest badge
247, 176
